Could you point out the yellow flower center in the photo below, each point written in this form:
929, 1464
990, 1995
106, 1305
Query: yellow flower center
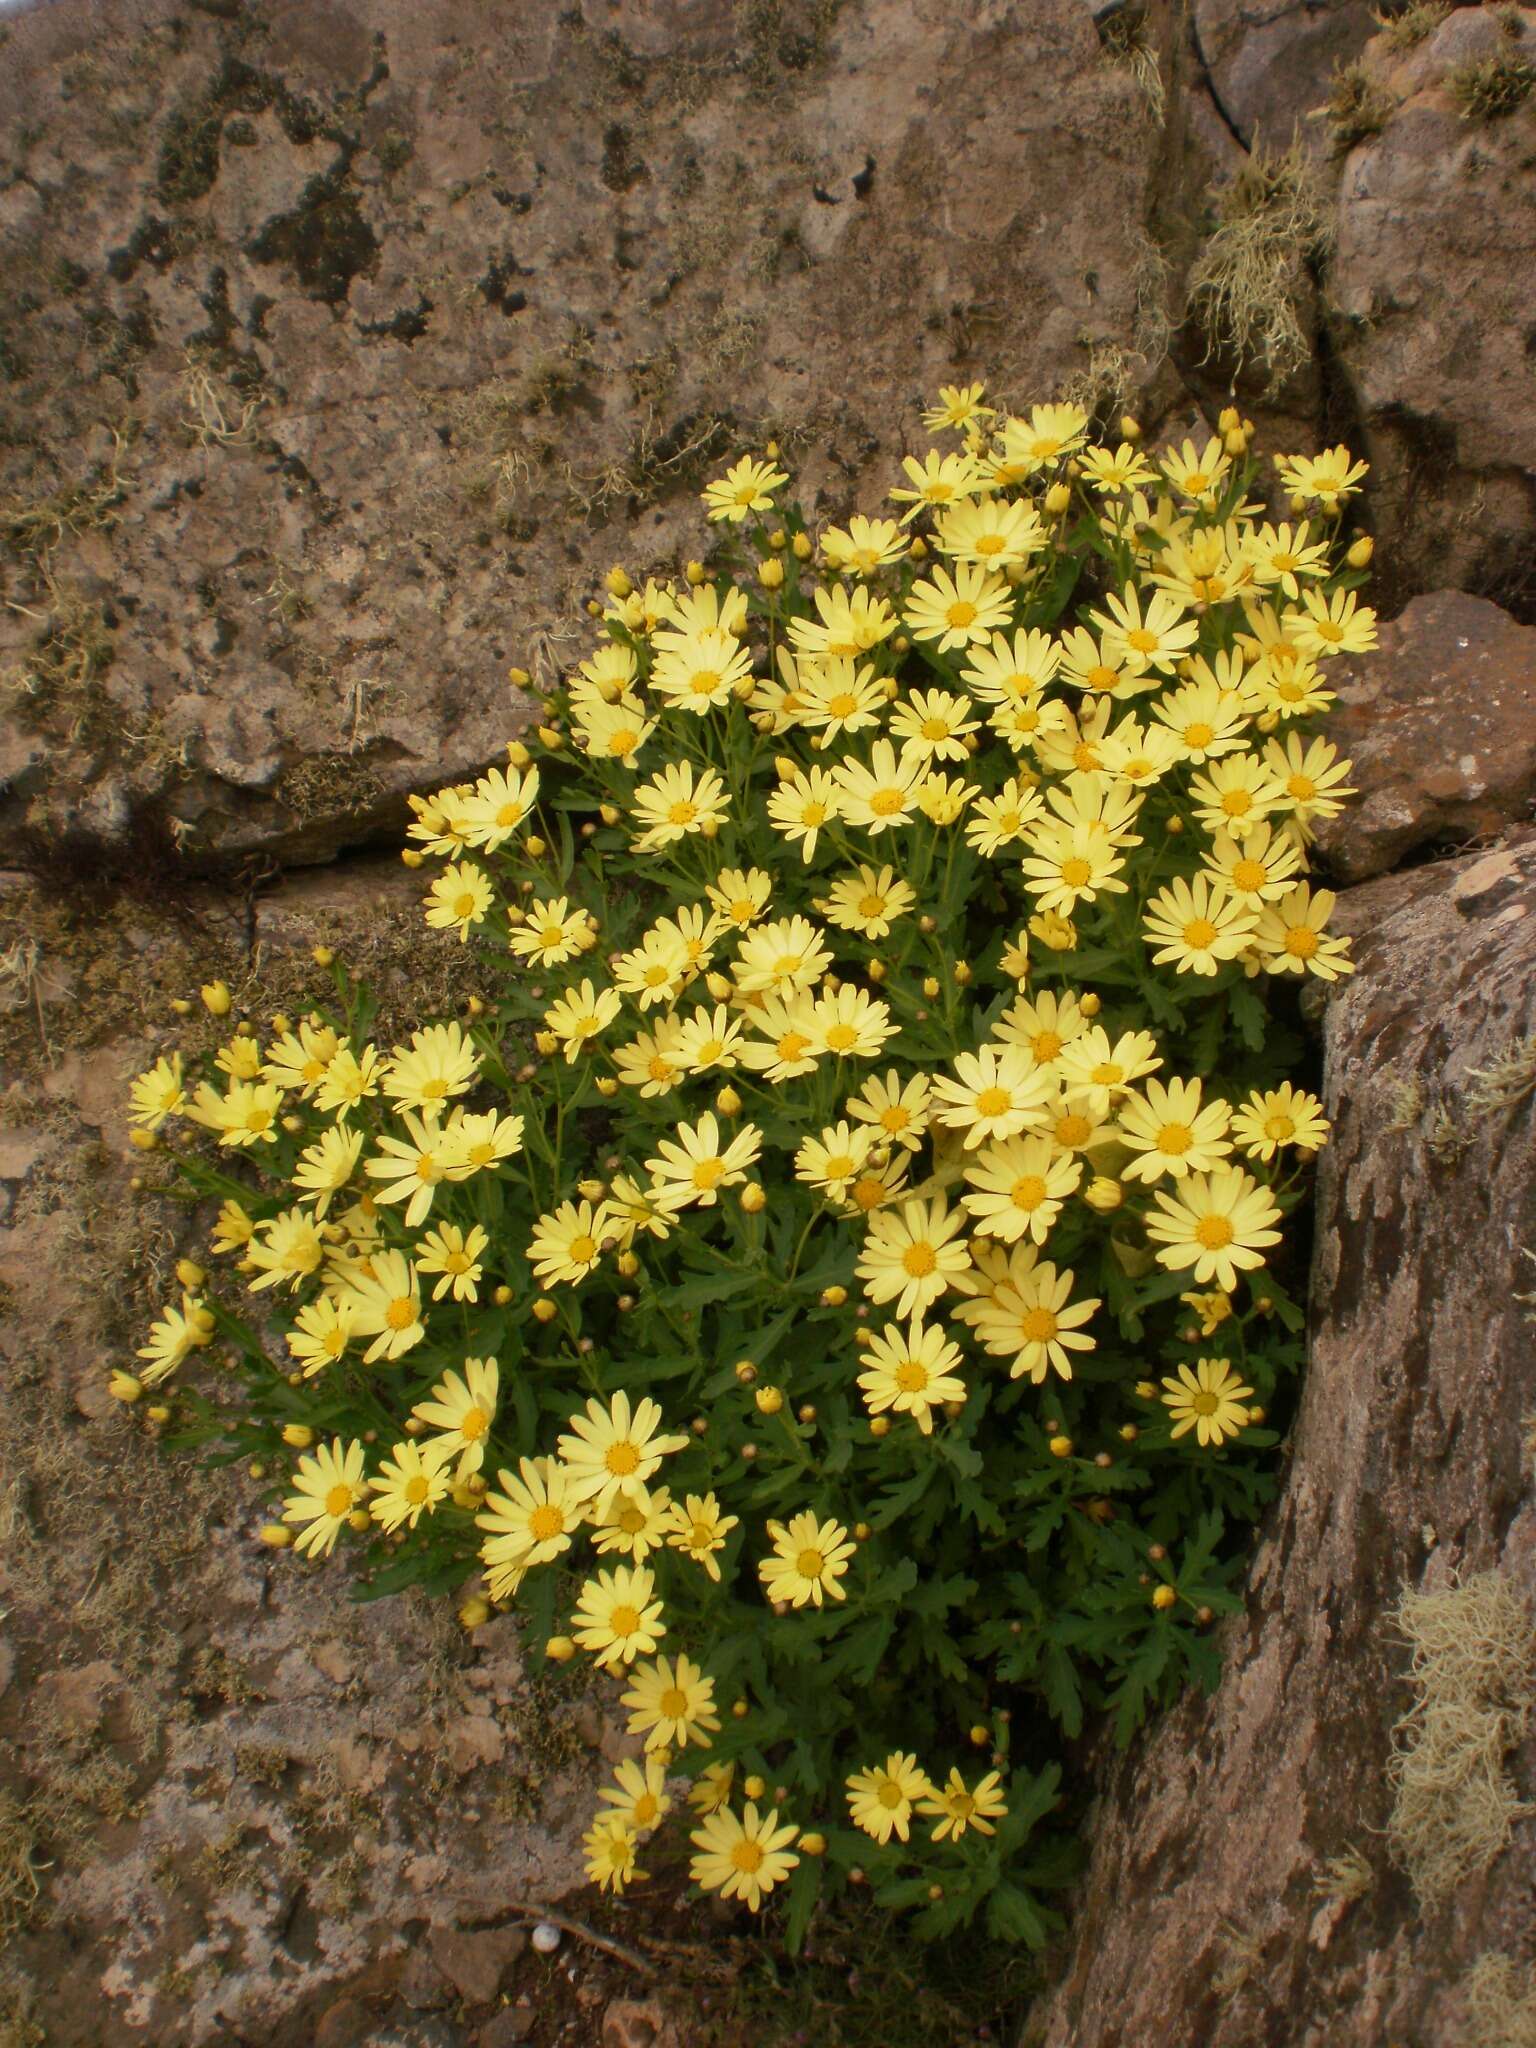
746, 1856
673, 1703
792, 1045
743, 910
890, 1795
871, 905
894, 1118
622, 1459
701, 1536
960, 614
993, 1102
552, 935
1175, 1140
1027, 1193
839, 1165
911, 1376
631, 1520
1215, 1233
1073, 1129
1301, 942
813, 815
1280, 1127
1301, 787
842, 704
338, 1501
464, 906
473, 1424
934, 729
1045, 1045
1038, 1325
1107, 1074
919, 1260
787, 965
1141, 639
961, 1805
682, 814
1250, 874
1076, 872
810, 1564
416, 1490
583, 1248
546, 1522
841, 1038
703, 681
401, 1312
658, 1068
509, 815
1199, 933
656, 975
1205, 1402
1199, 733
623, 740
646, 1810
624, 1620
707, 1174
1237, 803
1196, 480
885, 803
867, 1194
1085, 756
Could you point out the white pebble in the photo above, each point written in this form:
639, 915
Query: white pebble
546, 1938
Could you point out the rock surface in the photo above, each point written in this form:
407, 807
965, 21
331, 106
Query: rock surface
1210, 1916
1432, 296
1269, 61
1440, 722
346, 342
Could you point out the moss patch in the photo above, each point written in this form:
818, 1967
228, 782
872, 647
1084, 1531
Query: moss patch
1473, 1669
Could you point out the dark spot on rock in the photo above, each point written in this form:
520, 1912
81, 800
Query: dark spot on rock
409, 324
153, 241
324, 239
823, 197
496, 283
628, 249
240, 133
864, 181
515, 202
622, 168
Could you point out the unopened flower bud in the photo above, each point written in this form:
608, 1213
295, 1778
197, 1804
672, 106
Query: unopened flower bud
1164, 1597
769, 1400
276, 1535
544, 1309
728, 1102
1057, 499
125, 1387
298, 1435
754, 1198
812, 1845
143, 1141
1103, 1193
694, 573
880, 1425
1061, 1447
962, 973
802, 547
535, 847
1360, 552
560, 1649
216, 998
753, 1786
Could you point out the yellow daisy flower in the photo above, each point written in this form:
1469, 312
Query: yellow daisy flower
896, 1107
863, 546
463, 1408
1208, 1400
1280, 1116
456, 1255
1292, 937
851, 1024
692, 1167
459, 897
1023, 1311
934, 724
1218, 1224
619, 1617
1197, 926
832, 1161
157, 1093
531, 1520
699, 1530
551, 932
786, 954
882, 792
567, 1243
911, 1373
580, 1016
743, 1858
638, 1795
747, 487
995, 1092
936, 481
323, 1328
440, 1062
384, 1298
1017, 1188
958, 607
677, 802
610, 1848
614, 1449
329, 1485
672, 1705
954, 1809
1171, 1132
914, 1255
881, 1798
809, 1558
409, 1484
867, 902
286, 1249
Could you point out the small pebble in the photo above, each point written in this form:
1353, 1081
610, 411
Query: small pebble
546, 1938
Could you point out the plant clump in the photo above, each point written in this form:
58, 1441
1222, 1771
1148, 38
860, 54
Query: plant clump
1473, 1668
833, 1275
1249, 282
1491, 87
1356, 109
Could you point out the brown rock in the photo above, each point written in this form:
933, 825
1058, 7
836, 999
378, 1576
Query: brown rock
1440, 723
639, 2023
1432, 295
1269, 61
423, 1987
474, 1962
407, 371
346, 2024
1240, 1889
513, 2024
